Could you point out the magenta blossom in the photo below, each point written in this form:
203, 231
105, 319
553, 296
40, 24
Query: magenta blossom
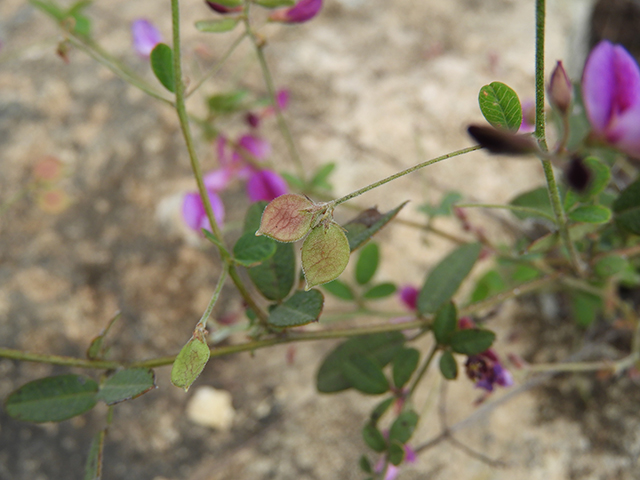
265, 185
409, 296
303, 11
145, 36
216, 7
611, 94
194, 214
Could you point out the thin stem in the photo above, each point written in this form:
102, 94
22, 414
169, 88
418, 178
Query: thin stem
268, 79
513, 208
423, 369
216, 68
409, 170
540, 115
214, 299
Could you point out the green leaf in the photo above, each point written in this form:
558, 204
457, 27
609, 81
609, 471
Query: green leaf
373, 438
500, 106
445, 323
52, 399
611, 265
162, 65
537, 199
287, 218
250, 250
445, 208
448, 365
627, 208
365, 464
382, 290
590, 214
126, 385
586, 307
301, 308
404, 364
381, 347
190, 362
82, 25
489, 284
472, 341
325, 254
403, 427
224, 103
319, 180
339, 289
275, 3
367, 224
230, 3
380, 410
96, 348
217, 26
253, 216
294, 181
93, 465
367, 263
445, 279
50, 9
524, 273
365, 375
576, 232
274, 277
396, 453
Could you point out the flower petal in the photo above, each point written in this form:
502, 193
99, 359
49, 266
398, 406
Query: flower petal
145, 36
266, 185
627, 78
303, 11
218, 180
624, 132
193, 210
409, 296
218, 210
598, 85
256, 146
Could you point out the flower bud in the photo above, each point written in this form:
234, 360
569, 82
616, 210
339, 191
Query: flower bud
502, 142
303, 11
219, 8
560, 89
577, 174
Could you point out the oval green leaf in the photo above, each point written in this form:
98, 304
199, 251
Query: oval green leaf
339, 289
627, 208
325, 254
367, 263
396, 453
380, 410
500, 105
373, 438
301, 308
472, 341
445, 323
590, 214
217, 26
403, 427
445, 279
610, 265
230, 102
382, 290
190, 362
404, 364
52, 399
162, 65
448, 365
250, 250
274, 277
126, 385
365, 375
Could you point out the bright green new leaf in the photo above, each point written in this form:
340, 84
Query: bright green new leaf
250, 250
472, 341
403, 427
381, 290
320, 179
373, 438
126, 385
367, 263
365, 375
445, 323
190, 362
287, 218
162, 65
339, 289
325, 254
448, 365
500, 105
445, 279
52, 399
230, 102
367, 224
301, 308
404, 364
217, 26
590, 214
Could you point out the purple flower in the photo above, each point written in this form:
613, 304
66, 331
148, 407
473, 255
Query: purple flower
265, 185
216, 7
145, 36
611, 94
303, 11
409, 296
256, 146
528, 124
194, 214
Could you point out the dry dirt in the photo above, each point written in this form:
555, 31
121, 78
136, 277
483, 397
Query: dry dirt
376, 86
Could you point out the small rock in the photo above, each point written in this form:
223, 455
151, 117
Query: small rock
212, 408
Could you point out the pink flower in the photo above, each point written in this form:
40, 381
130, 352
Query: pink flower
303, 11
194, 214
265, 185
145, 36
409, 296
611, 94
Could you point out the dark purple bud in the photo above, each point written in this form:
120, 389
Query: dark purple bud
502, 142
577, 174
560, 89
252, 120
216, 7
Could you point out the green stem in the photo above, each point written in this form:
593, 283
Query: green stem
513, 208
268, 79
423, 369
409, 170
540, 116
214, 299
